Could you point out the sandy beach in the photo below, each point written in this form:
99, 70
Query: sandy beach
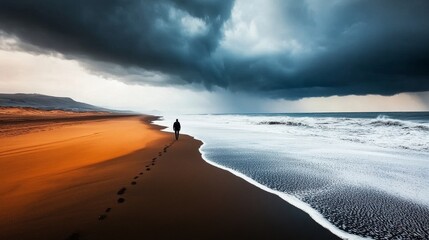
119, 177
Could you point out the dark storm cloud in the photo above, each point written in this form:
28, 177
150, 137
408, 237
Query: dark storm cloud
357, 47
147, 34
353, 46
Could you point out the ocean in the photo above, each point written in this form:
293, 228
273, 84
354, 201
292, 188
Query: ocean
361, 175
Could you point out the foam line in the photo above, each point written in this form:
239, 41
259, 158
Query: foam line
315, 215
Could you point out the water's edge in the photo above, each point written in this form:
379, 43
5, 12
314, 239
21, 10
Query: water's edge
315, 215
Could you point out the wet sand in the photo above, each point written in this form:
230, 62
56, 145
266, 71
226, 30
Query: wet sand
122, 178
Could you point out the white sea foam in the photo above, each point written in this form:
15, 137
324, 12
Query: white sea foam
337, 169
315, 215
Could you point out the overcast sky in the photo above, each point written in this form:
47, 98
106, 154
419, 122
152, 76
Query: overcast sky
208, 56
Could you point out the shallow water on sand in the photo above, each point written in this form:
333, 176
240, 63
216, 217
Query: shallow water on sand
367, 175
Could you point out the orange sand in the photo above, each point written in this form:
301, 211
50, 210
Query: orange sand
39, 171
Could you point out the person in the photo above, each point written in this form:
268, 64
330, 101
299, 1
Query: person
176, 128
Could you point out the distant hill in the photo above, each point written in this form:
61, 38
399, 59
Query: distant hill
46, 103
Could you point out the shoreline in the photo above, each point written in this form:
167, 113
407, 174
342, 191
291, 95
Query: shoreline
309, 158
314, 214
178, 195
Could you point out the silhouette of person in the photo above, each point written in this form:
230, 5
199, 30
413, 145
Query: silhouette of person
176, 128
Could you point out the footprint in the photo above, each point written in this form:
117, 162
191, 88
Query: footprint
102, 217
153, 164
74, 236
136, 177
122, 191
147, 169
153, 159
108, 209
133, 183
121, 200
147, 165
140, 173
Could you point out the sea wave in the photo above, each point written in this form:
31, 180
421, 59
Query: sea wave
287, 123
385, 121
380, 131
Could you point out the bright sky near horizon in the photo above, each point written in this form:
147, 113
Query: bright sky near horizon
220, 56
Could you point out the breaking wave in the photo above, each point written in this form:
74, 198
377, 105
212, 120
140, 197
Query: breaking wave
287, 123
383, 120
380, 131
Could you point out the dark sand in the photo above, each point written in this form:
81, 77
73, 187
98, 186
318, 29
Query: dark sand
98, 180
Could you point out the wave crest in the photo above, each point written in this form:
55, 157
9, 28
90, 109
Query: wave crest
287, 123
380, 131
384, 121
